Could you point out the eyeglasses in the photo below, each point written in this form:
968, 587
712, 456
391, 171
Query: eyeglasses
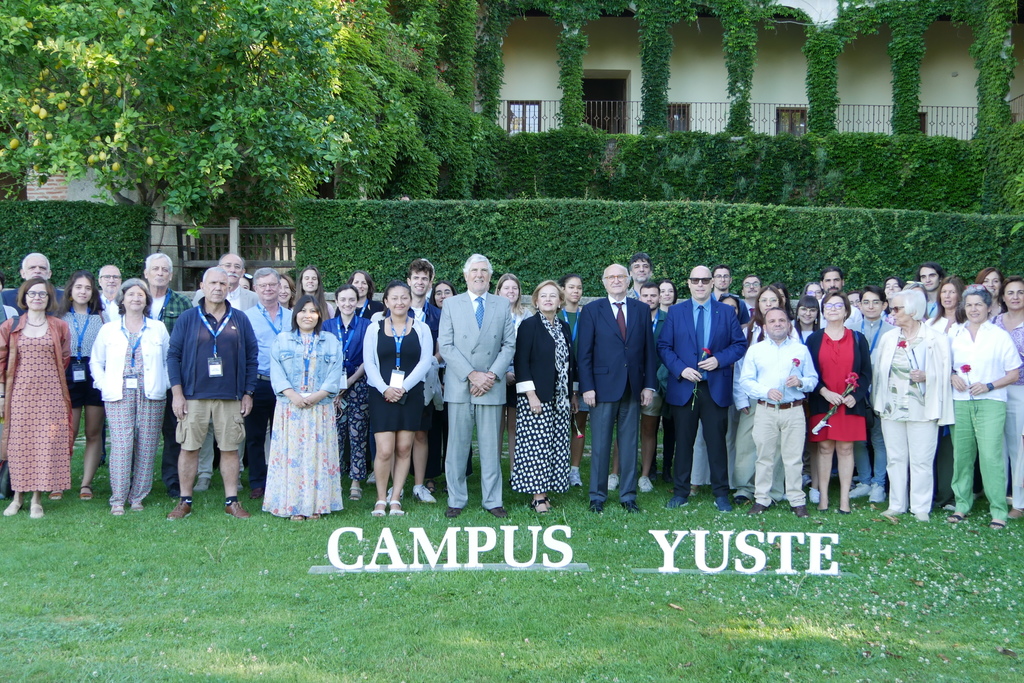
833, 307
870, 302
110, 277
266, 285
752, 285
36, 295
616, 277
700, 281
896, 309
722, 277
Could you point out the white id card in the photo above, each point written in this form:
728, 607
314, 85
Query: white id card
77, 372
397, 378
131, 382
216, 367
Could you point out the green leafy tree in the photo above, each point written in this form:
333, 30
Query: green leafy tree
176, 102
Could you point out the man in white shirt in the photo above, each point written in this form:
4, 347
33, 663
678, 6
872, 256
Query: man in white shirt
110, 282
778, 372
239, 297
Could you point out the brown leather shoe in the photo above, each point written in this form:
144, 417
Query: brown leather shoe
757, 509
800, 510
452, 513
180, 511
499, 512
236, 510
256, 493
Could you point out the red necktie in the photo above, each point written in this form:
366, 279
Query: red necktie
620, 318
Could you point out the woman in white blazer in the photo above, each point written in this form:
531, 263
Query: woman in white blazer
129, 367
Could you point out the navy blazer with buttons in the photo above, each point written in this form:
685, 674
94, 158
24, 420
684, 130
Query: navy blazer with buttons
535, 358
679, 349
605, 361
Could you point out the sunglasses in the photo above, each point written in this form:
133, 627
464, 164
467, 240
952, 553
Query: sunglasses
700, 281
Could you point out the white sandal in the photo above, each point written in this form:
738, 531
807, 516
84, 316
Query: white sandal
396, 512
378, 513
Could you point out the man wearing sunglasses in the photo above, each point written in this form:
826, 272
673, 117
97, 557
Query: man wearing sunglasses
699, 344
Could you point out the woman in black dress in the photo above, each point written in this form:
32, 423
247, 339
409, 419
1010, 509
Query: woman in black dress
545, 371
397, 353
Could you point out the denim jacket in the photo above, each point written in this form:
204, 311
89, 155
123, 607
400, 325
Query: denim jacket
287, 367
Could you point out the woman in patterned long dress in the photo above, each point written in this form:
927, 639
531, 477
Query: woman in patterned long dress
306, 371
129, 364
545, 373
82, 310
35, 405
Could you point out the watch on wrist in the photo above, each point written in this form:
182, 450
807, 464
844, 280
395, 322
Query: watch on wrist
990, 386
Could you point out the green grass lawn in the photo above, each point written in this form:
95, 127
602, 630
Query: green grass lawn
89, 596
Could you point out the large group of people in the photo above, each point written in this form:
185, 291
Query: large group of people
909, 392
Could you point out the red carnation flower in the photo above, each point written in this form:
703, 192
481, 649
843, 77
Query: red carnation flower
902, 343
707, 351
965, 369
852, 378
796, 362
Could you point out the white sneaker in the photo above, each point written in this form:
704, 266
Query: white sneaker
613, 482
574, 477
921, 516
645, 485
877, 494
372, 479
860, 490
202, 485
401, 494
949, 508
814, 496
807, 480
422, 494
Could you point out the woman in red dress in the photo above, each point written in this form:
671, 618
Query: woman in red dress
838, 354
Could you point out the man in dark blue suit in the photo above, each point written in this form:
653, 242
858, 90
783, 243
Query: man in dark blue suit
618, 366
699, 344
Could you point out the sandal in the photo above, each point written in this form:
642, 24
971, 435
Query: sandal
117, 510
137, 507
537, 502
13, 508
85, 495
379, 513
36, 511
297, 518
314, 516
355, 493
956, 518
430, 485
997, 524
56, 495
396, 508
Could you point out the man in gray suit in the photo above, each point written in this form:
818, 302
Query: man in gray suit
477, 339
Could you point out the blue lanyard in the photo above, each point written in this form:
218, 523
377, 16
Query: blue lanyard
576, 326
223, 324
398, 345
347, 334
426, 306
657, 318
135, 347
307, 354
363, 309
81, 331
266, 314
874, 340
163, 309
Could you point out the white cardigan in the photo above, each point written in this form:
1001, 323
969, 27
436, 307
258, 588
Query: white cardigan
108, 355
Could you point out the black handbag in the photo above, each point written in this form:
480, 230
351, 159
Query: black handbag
5, 481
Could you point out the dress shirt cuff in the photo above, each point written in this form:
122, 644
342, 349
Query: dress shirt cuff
523, 387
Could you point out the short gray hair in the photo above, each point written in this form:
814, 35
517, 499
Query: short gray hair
977, 290
153, 258
34, 253
231, 253
914, 302
266, 272
477, 258
214, 269
128, 284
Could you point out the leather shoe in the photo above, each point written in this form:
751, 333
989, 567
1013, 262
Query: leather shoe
757, 509
499, 512
256, 493
596, 506
676, 502
740, 500
630, 506
452, 513
800, 510
236, 510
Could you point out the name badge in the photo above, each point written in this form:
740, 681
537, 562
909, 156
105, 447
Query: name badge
397, 378
215, 366
131, 382
78, 372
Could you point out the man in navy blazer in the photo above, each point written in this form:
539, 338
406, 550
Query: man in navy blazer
618, 367
699, 344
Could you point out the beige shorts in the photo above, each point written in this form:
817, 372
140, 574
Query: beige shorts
228, 424
654, 408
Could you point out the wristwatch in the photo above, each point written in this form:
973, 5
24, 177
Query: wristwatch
250, 393
990, 386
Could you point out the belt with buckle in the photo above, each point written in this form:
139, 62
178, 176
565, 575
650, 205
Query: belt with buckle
782, 406
265, 378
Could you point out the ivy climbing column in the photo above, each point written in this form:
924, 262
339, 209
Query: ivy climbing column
656, 46
572, 45
906, 51
822, 49
489, 59
739, 43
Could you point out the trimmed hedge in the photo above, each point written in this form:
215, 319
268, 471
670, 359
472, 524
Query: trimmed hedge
73, 235
864, 170
539, 239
